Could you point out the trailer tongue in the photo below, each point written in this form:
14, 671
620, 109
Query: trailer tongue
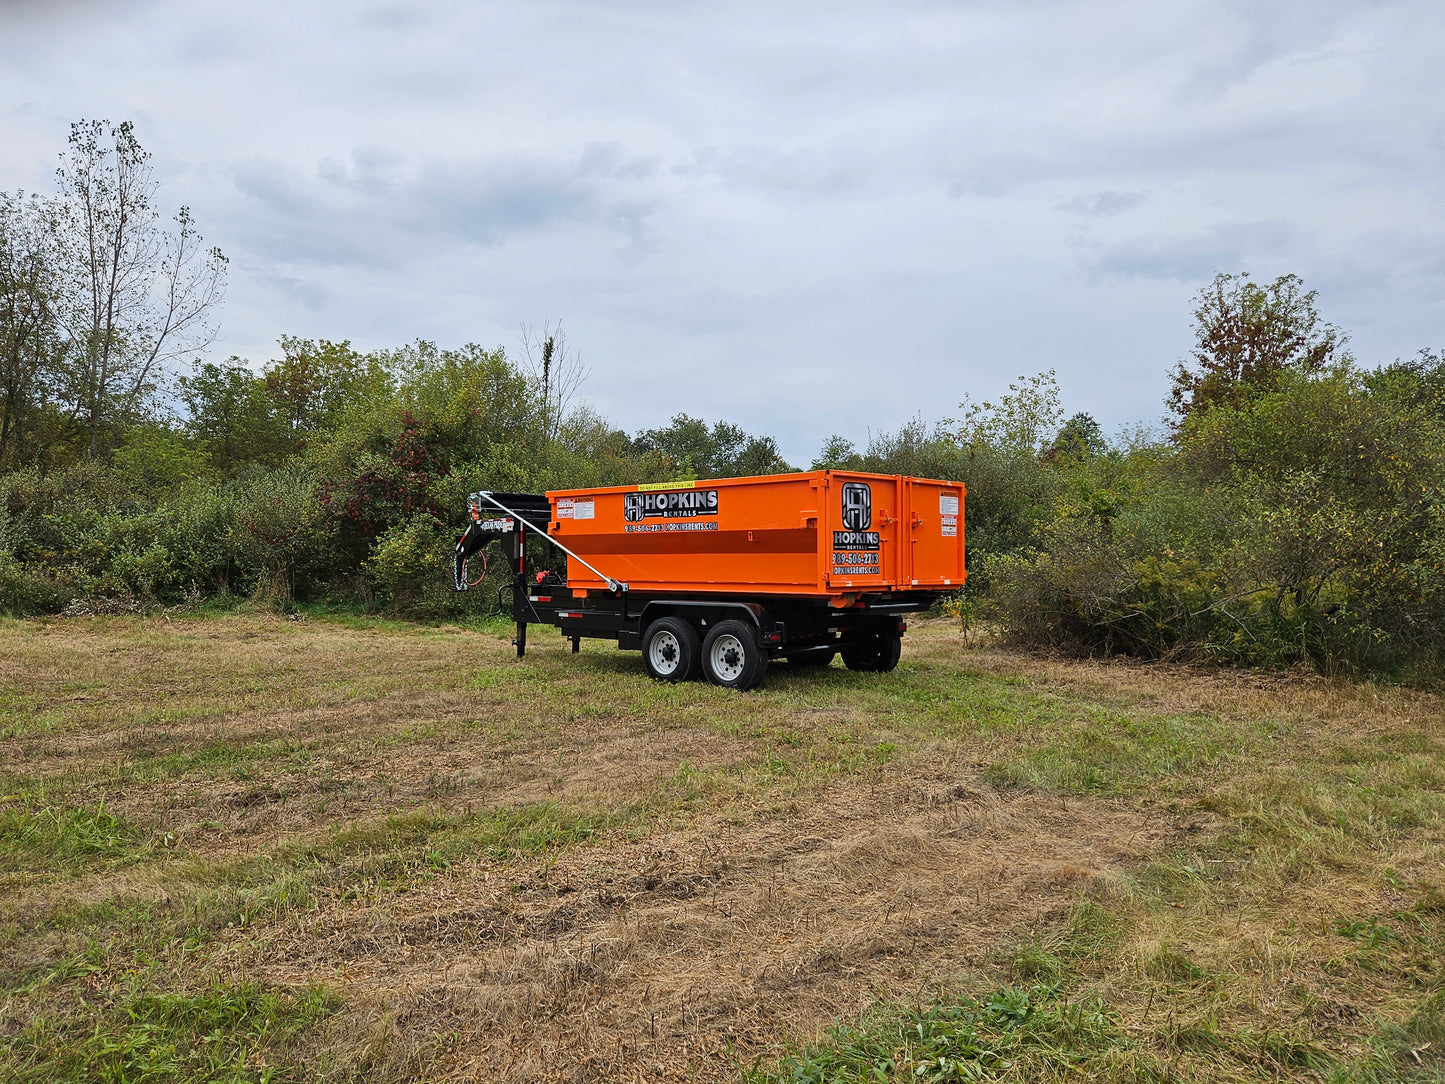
718, 578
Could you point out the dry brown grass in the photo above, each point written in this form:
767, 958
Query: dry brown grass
554, 869
671, 955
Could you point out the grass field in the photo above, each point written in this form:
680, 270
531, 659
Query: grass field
246, 848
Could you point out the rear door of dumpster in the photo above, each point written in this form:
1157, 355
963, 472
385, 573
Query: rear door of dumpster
934, 519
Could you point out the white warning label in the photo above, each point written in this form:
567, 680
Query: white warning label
948, 504
584, 510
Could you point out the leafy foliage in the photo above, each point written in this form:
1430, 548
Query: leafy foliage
328, 474
688, 448
1247, 337
1301, 525
29, 335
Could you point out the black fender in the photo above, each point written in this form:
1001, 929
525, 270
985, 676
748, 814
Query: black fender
697, 611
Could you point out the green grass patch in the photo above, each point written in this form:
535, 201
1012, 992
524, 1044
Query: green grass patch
500, 834
226, 1034
37, 837
375, 859
1039, 1033
1015, 1033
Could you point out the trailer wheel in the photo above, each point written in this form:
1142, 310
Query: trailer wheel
731, 656
877, 654
670, 650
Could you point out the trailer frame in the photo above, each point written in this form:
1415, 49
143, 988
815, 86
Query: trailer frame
805, 630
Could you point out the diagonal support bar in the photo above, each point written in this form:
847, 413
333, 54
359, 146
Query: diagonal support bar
612, 585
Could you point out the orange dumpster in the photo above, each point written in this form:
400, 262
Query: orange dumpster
829, 533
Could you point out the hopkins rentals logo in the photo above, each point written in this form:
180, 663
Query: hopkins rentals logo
857, 506
684, 504
857, 517
855, 550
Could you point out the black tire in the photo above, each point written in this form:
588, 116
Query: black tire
891, 652
670, 650
811, 658
732, 657
877, 654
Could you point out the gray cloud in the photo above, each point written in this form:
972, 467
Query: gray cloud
486, 203
363, 210
1196, 257
310, 293
1261, 34
394, 17
1103, 204
759, 202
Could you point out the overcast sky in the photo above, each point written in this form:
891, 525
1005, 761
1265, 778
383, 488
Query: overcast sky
805, 218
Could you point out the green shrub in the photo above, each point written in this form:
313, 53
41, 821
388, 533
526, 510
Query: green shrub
407, 556
1303, 526
278, 538
27, 593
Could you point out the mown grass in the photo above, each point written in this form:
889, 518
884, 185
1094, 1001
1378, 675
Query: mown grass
102, 1014
1301, 936
1069, 1015
1038, 1033
170, 785
237, 1033
36, 836
1026, 1032
362, 860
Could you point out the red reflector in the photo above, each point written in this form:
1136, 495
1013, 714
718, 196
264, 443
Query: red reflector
902, 627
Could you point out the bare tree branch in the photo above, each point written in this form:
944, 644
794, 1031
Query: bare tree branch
138, 294
554, 371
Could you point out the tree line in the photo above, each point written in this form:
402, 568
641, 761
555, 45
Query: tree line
1292, 511
129, 473
1289, 511
329, 474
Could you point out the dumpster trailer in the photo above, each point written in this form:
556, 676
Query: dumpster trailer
718, 578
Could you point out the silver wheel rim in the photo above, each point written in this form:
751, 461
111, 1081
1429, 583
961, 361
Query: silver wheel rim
665, 653
728, 656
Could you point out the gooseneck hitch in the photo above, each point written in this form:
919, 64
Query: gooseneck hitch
614, 586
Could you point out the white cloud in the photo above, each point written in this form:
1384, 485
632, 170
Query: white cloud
805, 218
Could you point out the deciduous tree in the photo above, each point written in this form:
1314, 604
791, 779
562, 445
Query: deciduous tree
555, 371
1246, 336
693, 449
29, 345
231, 415
138, 294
